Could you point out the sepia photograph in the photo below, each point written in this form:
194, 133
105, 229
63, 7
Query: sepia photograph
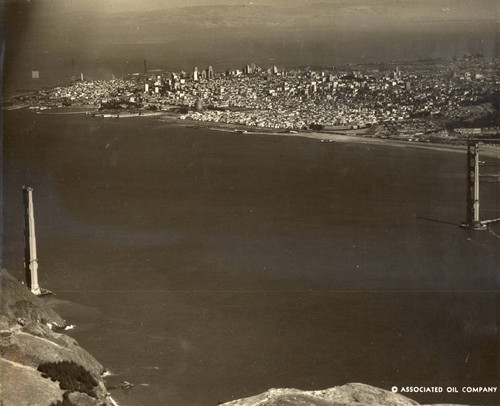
250, 203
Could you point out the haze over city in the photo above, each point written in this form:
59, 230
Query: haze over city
111, 38
232, 196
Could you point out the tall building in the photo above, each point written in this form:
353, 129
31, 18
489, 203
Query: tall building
210, 72
195, 74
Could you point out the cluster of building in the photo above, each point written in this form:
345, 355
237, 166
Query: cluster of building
403, 96
95, 93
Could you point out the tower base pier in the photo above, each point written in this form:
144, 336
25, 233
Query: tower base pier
476, 226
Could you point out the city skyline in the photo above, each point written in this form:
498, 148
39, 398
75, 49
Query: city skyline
114, 37
233, 196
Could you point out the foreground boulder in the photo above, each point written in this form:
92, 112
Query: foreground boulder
39, 366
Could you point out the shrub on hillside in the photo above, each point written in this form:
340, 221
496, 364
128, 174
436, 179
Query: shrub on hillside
65, 401
71, 376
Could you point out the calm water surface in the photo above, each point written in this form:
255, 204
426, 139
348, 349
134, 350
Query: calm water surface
205, 266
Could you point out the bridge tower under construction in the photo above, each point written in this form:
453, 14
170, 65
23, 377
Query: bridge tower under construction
30, 257
472, 220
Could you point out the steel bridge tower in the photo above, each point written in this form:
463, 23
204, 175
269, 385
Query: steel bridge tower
472, 220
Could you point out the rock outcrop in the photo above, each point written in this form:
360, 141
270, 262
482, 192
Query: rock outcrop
352, 394
39, 365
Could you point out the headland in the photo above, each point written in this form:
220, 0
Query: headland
40, 364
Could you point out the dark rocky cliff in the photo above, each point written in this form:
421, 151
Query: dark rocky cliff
38, 365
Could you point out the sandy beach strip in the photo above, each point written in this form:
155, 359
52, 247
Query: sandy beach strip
486, 150
173, 119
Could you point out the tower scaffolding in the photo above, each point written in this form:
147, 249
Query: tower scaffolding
472, 219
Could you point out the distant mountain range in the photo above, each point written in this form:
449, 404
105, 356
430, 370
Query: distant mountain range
64, 25
113, 37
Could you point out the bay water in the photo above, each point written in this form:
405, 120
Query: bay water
206, 266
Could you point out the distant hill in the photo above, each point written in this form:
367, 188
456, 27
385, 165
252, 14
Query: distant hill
149, 24
112, 38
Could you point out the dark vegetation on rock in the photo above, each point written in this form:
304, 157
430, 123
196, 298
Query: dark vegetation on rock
39, 363
65, 401
70, 375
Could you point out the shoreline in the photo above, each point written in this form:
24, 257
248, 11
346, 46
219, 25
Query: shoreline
303, 216
327, 137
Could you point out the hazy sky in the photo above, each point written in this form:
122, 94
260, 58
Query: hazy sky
113, 37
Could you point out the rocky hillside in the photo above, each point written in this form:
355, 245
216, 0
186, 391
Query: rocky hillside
41, 366
352, 394
38, 364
